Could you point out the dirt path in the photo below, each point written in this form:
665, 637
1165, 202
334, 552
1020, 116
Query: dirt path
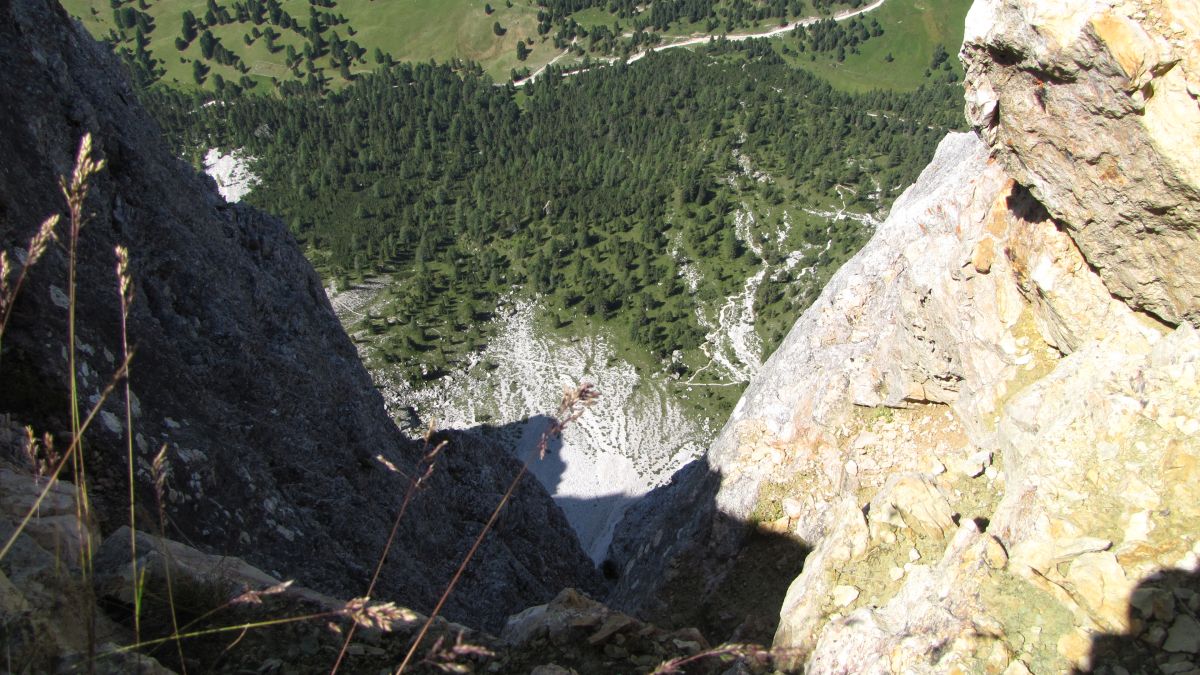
537, 73
738, 37
708, 37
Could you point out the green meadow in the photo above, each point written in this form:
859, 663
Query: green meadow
408, 30
441, 30
912, 30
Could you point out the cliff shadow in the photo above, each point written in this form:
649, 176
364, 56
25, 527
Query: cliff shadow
681, 561
592, 517
1164, 634
671, 556
521, 439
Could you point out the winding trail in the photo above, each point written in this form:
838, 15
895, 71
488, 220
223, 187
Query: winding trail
537, 73
708, 37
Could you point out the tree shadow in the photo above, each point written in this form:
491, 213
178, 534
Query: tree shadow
1164, 634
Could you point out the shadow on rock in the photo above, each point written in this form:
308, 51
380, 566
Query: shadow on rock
1164, 635
680, 561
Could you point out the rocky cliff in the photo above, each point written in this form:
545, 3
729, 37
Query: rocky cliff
986, 427
278, 449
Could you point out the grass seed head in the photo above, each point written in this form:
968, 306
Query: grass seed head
125, 280
253, 597
41, 239
384, 616
159, 469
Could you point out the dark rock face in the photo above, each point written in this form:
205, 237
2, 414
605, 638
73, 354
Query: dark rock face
656, 538
279, 448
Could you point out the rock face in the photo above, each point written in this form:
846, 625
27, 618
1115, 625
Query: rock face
986, 426
1094, 107
278, 448
1075, 400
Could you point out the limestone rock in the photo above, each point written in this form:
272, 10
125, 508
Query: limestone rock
974, 464
55, 527
569, 609
918, 502
931, 625
1048, 310
844, 595
226, 576
847, 540
1046, 80
575, 632
41, 594
1102, 584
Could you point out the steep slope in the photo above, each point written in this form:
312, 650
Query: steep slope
985, 428
278, 447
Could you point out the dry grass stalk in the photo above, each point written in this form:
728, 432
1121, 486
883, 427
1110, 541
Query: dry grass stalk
752, 652
425, 470
125, 290
75, 190
40, 452
447, 658
384, 616
253, 597
158, 470
10, 289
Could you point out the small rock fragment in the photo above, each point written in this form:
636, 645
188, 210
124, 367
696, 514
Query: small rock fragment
934, 467
844, 595
919, 504
612, 624
1184, 635
994, 554
983, 256
975, 464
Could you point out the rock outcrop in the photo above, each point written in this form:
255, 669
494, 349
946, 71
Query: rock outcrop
278, 448
1095, 107
55, 619
986, 426
1072, 398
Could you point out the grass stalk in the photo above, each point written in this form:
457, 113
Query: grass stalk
159, 469
125, 288
427, 461
8, 292
75, 191
176, 636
